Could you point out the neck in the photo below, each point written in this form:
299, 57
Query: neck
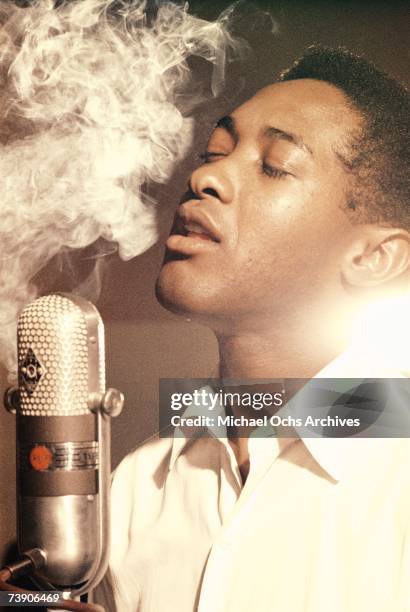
298, 348
269, 354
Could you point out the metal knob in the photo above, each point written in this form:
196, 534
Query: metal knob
110, 403
12, 399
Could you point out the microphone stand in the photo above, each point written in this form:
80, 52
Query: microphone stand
32, 561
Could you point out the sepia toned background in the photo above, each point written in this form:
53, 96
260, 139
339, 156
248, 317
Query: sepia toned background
143, 342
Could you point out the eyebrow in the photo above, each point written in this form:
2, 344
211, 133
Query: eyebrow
273, 132
227, 123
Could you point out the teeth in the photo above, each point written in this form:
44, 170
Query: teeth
194, 227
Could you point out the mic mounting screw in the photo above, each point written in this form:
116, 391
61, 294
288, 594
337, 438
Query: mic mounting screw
112, 402
12, 399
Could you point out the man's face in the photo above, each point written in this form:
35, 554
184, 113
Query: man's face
264, 230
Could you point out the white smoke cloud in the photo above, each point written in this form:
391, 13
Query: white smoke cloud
87, 115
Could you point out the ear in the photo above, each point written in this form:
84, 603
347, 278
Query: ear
376, 256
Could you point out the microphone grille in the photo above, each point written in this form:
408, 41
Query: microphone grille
54, 335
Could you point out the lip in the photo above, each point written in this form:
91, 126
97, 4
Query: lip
185, 239
192, 213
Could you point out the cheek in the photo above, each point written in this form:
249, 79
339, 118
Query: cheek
295, 229
273, 221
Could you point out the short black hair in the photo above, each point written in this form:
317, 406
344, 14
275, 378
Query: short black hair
378, 158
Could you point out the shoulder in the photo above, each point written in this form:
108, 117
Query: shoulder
392, 475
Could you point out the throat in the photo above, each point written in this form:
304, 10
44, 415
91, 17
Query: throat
241, 452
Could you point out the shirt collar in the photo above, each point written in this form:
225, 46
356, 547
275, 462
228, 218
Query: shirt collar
340, 455
335, 455
180, 441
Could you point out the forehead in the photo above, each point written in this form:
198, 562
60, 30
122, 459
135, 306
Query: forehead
319, 112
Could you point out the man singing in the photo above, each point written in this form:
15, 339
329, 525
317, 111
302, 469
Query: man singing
297, 218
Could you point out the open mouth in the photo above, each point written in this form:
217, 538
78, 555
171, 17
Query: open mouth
193, 232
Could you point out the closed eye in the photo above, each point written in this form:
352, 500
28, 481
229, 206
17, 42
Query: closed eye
208, 156
273, 172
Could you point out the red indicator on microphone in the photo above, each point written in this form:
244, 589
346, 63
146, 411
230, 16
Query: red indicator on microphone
40, 458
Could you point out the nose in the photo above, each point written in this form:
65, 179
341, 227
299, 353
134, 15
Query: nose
213, 180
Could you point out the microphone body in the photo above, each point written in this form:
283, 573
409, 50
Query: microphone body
63, 440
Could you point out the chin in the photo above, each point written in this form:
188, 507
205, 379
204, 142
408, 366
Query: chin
181, 291
174, 289
171, 300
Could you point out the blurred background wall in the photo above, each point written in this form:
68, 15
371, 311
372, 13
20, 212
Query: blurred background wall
145, 343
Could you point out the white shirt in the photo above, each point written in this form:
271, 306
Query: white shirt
323, 525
